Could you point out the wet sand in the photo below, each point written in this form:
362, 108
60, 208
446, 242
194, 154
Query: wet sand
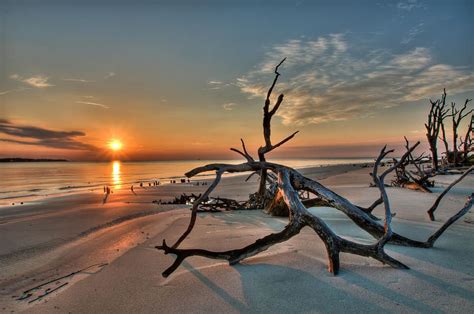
60, 236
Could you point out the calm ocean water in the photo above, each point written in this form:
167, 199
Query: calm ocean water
20, 180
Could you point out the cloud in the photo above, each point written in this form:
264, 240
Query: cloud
412, 33
77, 80
37, 81
31, 135
92, 104
13, 90
201, 143
229, 106
109, 75
327, 79
214, 84
409, 5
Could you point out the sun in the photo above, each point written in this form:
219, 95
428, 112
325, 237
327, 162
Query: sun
115, 145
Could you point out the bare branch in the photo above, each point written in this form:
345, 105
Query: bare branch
440, 197
195, 208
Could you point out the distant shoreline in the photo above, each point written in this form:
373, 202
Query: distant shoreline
32, 160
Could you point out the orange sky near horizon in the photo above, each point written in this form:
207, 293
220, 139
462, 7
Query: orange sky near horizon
187, 82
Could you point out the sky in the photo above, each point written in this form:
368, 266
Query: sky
187, 79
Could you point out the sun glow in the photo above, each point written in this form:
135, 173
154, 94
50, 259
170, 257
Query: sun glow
115, 145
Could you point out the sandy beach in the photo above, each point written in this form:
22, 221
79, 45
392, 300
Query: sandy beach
102, 257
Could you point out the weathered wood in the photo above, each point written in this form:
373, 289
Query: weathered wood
267, 119
440, 197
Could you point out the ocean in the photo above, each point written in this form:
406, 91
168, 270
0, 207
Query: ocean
40, 179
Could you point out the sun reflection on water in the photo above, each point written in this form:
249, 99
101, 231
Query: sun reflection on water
116, 178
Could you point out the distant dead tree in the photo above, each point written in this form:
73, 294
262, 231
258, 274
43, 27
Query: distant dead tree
458, 155
290, 185
437, 114
457, 116
467, 142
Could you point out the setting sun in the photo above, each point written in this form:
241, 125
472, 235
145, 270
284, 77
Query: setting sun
115, 145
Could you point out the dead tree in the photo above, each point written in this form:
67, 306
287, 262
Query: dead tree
467, 143
458, 155
289, 183
457, 116
437, 114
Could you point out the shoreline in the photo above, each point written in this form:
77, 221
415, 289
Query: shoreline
34, 191
94, 188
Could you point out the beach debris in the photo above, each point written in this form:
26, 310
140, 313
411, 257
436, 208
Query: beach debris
418, 180
210, 204
280, 184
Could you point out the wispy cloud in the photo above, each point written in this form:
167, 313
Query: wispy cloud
413, 33
77, 80
229, 106
327, 79
13, 90
109, 75
32, 135
201, 143
214, 84
37, 81
409, 5
92, 104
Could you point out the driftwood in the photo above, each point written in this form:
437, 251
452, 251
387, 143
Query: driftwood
269, 146
286, 189
418, 180
209, 204
289, 182
440, 197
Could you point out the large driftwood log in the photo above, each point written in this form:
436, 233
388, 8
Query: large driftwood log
286, 185
289, 182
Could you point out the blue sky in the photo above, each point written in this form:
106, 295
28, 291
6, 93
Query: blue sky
186, 78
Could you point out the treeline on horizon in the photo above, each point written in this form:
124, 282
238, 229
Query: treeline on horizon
16, 159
